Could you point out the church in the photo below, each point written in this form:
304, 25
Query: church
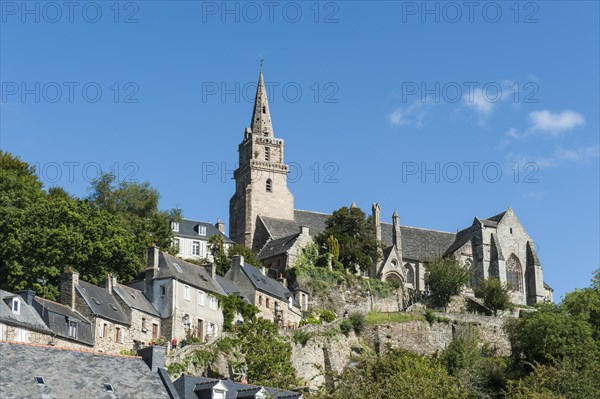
262, 217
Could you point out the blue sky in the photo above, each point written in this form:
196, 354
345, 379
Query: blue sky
499, 102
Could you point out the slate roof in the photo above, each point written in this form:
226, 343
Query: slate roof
277, 246
135, 299
279, 228
102, 303
190, 273
419, 244
230, 287
55, 316
27, 318
189, 229
191, 387
73, 374
498, 217
266, 284
462, 237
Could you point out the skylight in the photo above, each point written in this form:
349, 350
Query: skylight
96, 300
108, 388
113, 307
40, 380
177, 267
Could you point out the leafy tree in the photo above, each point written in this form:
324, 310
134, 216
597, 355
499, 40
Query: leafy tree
396, 375
585, 303
308, 256
333, 246
232, 304
216, 244
551, 335
494, 293
137, 205
445, 277
264, 353
355, 234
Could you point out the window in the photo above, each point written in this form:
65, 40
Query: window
103, 328
177, 267
267, 154
514, 273
202, 230
268, 302
176, 245
118, 335
16, 306
264, 109
290, 302
269, 186
20, 335
175, 226
200, 297
214, 303
196, 248
39, 380
186, 292
260, 300
144, 329
154, 331
218, 394
72, 328
108, 388
511, 230
410, 274
163, 290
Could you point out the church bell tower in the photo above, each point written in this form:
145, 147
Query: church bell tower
261, 178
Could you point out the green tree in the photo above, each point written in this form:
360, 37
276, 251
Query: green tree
249, 255
308, 256
137, 205
355, 234
445, 277
585, 303
264, 353
216, 244
333, 246
494, 293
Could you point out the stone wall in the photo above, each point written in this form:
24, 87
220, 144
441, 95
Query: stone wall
355, 300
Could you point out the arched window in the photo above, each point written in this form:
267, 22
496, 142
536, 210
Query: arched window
514, 273
269, 186
394, 263
267, 154
410, 274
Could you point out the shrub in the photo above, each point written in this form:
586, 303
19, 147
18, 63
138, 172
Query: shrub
309, 320
327, 316
302, 337
358, 322
445, 278
494, 293
346, 326
430, 316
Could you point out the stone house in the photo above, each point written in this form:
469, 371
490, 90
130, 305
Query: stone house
191, 238
262, 216
273, 299
184, 294
144, 318
70, 329
111, 322
34, 371
19, 322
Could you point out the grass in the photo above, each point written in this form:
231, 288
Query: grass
397, 317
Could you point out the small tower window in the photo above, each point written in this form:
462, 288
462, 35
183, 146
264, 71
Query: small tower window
266, 133
264, 109
511, 230
269, 186
267, 154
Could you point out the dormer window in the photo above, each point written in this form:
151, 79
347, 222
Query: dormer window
16, 306
175, 226
202, 230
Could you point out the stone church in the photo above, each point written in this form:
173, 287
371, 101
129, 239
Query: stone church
262, 217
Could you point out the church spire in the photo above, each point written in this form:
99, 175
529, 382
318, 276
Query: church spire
261, 118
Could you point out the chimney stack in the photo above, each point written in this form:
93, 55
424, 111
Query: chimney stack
236, 262
304, 230
220, 226
151, 271
110, 282
27, 296
68, 281
153, 356
211, 268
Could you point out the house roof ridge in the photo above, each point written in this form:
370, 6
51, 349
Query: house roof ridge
63, 348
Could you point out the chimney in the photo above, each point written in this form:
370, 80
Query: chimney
236, 262
304, 230
396, 234
68, 281
110, 282
220, 226
151, 271
211, 268
27, 296
282, 280
153, 356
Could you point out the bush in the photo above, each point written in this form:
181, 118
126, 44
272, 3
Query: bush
430, 316
302, 337
358, 322
346, 326
445, 278
327, 316
309, 320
